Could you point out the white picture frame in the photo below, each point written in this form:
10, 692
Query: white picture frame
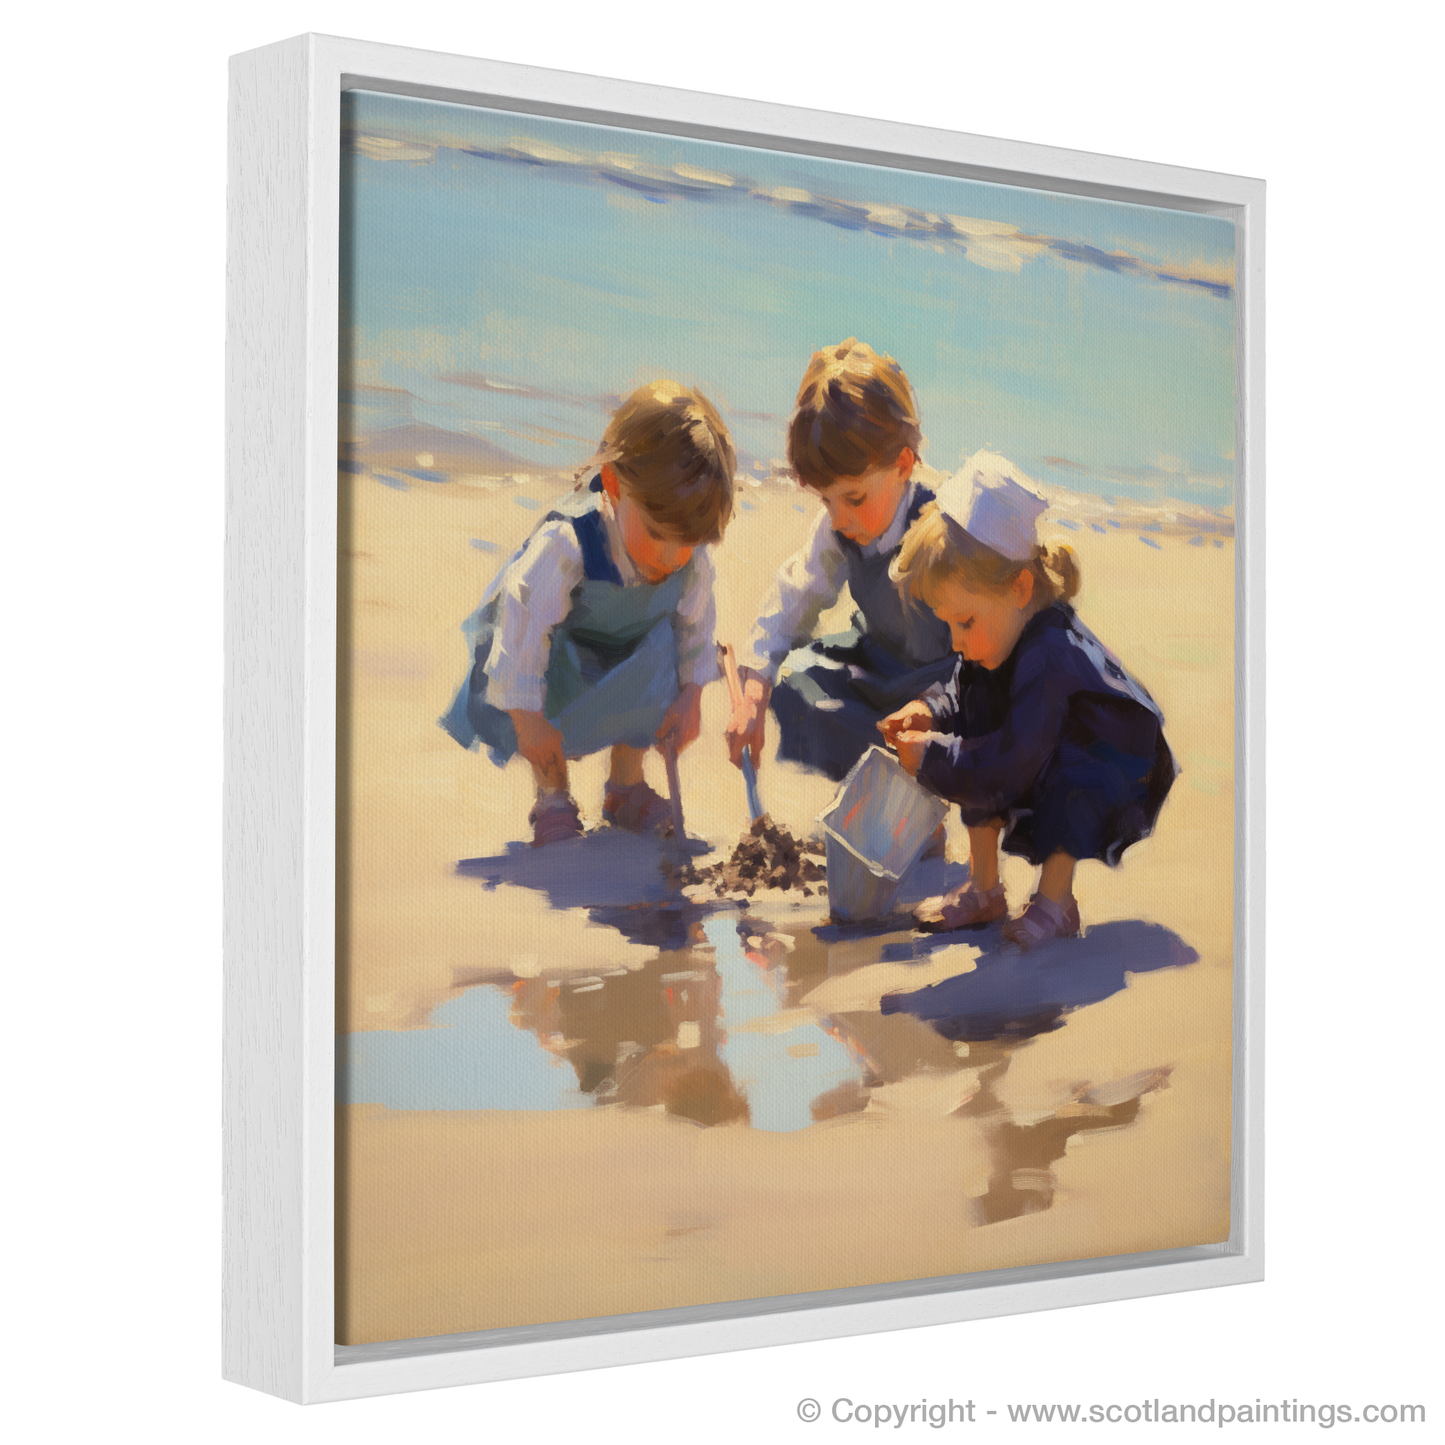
281, 678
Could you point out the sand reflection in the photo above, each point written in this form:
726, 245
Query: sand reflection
616, 1170
781, 1026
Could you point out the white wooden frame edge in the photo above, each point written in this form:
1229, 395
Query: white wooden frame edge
280, 797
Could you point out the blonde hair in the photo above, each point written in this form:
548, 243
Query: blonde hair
936, 549
855, 411
672, 453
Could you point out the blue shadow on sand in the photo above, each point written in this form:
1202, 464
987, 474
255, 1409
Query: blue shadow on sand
617, 876
1011, 994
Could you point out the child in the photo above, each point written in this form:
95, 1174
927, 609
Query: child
599, 633
853, 439
1040, 736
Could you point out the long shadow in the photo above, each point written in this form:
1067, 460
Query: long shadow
1011, 994
618, 877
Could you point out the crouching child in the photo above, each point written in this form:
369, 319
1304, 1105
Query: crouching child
853, 441
598, 635
1050, 749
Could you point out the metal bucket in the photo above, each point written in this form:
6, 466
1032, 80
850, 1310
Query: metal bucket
874, 831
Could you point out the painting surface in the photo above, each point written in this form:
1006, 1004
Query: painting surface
592, 1077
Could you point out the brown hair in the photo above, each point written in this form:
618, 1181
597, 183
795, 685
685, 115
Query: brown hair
855, 411
935, 548
673, 455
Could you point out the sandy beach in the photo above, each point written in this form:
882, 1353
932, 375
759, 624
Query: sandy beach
1107, 1135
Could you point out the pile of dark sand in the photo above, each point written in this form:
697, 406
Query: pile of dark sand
767, 856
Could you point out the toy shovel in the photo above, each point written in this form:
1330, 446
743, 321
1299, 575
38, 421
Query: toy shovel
668, 749
735, 692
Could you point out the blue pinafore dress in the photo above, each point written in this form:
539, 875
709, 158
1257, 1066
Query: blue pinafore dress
832, 692
612, 669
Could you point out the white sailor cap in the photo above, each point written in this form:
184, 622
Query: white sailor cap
995, 503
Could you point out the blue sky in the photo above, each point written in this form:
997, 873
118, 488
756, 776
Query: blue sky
505, 277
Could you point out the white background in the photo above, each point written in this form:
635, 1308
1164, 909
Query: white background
113, 290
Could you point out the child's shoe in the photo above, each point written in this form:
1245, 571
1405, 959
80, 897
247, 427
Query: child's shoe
639, 809
554, 817
965, 907
1043, 919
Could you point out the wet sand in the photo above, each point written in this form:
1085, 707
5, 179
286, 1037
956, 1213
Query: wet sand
1107, 1135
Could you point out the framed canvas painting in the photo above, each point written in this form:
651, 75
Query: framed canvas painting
744, 724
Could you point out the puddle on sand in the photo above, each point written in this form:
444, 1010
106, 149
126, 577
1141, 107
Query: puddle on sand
720, 1030
781, 1061
700, 1031
472, 1057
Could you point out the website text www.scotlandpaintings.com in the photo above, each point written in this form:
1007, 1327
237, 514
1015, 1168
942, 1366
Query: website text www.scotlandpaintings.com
787, 782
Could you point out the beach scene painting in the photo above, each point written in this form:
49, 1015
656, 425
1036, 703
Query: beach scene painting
786, 757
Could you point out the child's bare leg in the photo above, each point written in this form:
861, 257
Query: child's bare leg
974, 903
628, 802
550, 779
626, 766
1056, 879
983, 854
1052, 913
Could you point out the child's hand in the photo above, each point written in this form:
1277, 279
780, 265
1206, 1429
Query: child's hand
747, 727
683, 720
911, 717
541, 744
911, 747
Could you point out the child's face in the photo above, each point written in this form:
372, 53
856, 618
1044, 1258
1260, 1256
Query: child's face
984, 626
861, 508
655, 552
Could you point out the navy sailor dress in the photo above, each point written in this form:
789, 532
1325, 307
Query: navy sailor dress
1059, 741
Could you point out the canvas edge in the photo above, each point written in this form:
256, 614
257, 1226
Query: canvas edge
1247, 1225
279, 852
1210, 1268
634, 104
263, 1012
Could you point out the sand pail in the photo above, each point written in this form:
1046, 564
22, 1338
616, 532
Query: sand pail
874, 831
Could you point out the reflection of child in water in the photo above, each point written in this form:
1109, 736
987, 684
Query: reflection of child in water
639, 1039
599, 633
1040, 736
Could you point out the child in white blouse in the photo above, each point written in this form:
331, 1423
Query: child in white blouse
853, 441
599, 633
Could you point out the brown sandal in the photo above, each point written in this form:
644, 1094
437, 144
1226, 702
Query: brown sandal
555, 817
639, 809
1042, 920
965, 907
